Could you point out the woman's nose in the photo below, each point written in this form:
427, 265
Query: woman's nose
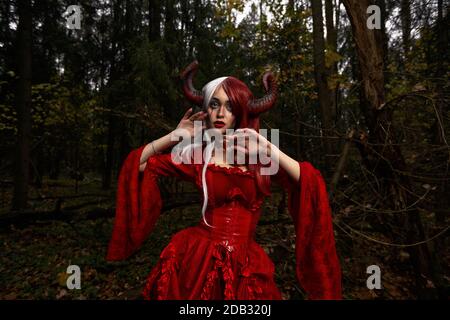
221, 111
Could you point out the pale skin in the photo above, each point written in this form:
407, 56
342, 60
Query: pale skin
219, 110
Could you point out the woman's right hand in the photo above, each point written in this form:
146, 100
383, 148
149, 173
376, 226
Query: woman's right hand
187, 122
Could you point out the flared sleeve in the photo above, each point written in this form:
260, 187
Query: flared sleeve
317, 265
138, 201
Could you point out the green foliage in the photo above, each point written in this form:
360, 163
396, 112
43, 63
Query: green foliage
153, 78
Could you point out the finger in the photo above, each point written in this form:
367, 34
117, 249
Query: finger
241, 151
240, 134
198, 115
245, 130
250, 132
239, 140
244, 137
240, 146
230, 142
187, 114
242, 142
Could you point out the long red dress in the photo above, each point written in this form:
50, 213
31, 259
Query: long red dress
224, 262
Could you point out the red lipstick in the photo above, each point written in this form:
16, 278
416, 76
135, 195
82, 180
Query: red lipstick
219, 124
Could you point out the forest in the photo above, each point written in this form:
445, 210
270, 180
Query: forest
363, 94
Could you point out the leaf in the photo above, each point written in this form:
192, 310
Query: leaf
62, 293
62, 279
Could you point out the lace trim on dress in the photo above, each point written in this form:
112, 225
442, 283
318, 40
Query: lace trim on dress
230, 170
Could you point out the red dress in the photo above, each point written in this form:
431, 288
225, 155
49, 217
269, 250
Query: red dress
224, 262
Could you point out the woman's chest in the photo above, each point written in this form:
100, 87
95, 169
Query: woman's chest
227, 184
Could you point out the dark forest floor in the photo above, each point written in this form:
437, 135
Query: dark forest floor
34, 258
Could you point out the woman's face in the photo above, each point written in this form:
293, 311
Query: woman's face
219, 111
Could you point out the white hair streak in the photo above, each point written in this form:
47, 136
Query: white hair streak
209, 89
188, 155
208, 154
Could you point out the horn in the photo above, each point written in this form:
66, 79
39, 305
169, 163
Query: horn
192, 94
257, 106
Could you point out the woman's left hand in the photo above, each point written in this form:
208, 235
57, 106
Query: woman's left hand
250, 143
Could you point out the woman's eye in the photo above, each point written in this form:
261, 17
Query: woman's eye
214, 105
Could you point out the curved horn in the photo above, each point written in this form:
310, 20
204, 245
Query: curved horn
257, 106
192, 94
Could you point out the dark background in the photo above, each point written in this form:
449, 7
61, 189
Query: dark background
369, 108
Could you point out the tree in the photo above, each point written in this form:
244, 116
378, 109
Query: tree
154, 15
405, 16
384, 156
331, 46
23, 105
321, 76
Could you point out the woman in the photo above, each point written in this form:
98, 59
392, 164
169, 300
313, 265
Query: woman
218, 259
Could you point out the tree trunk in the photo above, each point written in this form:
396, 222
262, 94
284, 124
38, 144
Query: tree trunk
441, 50
23, 101
124, 146
382, 35
170, 34
111, 98
154, 14
107, 173
320, 74
55, 164
405, 16
341, 163
332, 46
388, 163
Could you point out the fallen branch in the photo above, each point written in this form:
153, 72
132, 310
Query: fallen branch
28, 217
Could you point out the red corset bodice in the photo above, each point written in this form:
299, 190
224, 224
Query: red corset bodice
233, 205
227, 185
231, 224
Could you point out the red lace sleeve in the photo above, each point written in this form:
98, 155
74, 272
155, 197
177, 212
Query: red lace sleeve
138, 202
318, 269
